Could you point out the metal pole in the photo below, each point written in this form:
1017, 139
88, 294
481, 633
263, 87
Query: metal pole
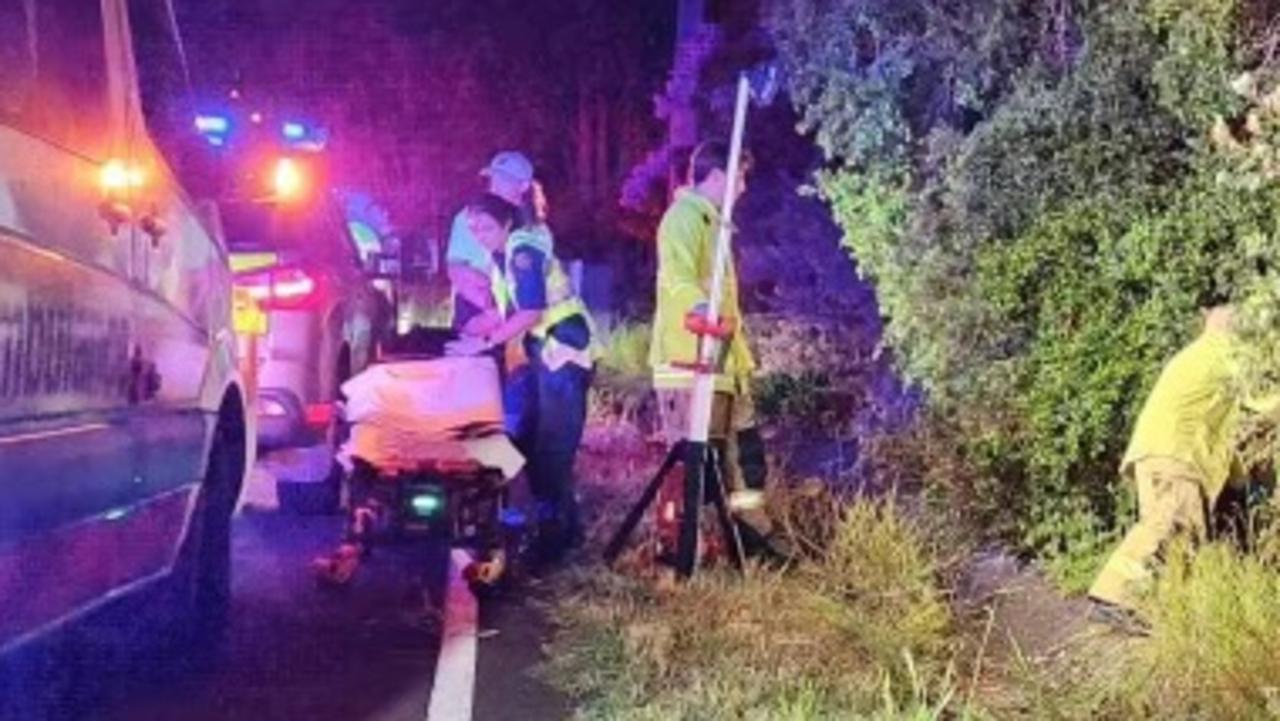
704, 382
697, 452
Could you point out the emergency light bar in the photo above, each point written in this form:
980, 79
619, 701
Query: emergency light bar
212, 124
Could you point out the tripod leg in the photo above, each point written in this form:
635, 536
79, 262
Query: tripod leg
728, 528
629, 524
695, 462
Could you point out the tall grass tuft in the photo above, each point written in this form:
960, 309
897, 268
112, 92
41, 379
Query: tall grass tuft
622, 388
1214, 650
860, 632
1213, 653
625, 351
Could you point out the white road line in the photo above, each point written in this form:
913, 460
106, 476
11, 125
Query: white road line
58, 433
454, 688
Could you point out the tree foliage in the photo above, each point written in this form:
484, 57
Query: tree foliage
1033, 190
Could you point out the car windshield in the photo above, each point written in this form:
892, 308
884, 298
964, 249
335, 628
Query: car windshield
264, 227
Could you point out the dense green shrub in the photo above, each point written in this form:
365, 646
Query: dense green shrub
1039, 254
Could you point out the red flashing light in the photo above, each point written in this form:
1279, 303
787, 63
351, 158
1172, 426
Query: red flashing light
288, 179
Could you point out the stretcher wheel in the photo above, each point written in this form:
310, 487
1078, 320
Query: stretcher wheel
338, 568
486, 576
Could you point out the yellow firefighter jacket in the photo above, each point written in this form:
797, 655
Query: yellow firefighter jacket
1193, 412
686, 254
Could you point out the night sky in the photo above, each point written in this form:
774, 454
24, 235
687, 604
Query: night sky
418, 94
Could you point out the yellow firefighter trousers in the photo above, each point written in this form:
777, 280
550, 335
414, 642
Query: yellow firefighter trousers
1170, 502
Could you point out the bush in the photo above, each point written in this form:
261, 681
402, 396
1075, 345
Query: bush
782, 395
1039, 256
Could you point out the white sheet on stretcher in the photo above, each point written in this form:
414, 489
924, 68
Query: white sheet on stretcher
435, 396
408, 414
393, 449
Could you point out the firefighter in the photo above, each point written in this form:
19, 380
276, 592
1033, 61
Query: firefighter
686, 253
1181, 456
538, 302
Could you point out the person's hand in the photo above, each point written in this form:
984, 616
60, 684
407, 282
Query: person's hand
483, 324
469, 346
696, 322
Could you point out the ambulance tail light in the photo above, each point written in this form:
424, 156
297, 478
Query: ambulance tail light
289, 180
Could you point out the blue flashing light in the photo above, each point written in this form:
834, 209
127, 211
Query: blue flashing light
294, 131
216, 141
212, 124
514, 518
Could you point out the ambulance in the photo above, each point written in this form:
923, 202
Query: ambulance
123, 427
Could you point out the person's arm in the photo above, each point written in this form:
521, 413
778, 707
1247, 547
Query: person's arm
465, 265
530, 291
471, 284
530, 296
482, 324
519, 322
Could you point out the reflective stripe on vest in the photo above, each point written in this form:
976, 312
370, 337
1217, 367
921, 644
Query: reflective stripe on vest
668, 377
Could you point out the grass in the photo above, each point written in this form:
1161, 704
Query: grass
1215, 648
867, 630
625, 350
621, 390
860, 632
1213, 653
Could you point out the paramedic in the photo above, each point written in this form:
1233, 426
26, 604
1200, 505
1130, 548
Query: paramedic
510, 177
537, 300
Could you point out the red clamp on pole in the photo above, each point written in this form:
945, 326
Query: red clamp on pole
697, 324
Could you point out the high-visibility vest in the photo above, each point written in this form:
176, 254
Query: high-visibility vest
562, 302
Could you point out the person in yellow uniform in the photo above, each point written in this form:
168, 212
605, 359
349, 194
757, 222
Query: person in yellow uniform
686, 255
538, 304
1181, 455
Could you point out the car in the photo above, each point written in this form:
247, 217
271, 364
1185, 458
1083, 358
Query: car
123, 419
324, 316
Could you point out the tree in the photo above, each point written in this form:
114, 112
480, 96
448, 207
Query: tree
419, 96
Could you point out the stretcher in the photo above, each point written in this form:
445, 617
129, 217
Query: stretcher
427, 458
